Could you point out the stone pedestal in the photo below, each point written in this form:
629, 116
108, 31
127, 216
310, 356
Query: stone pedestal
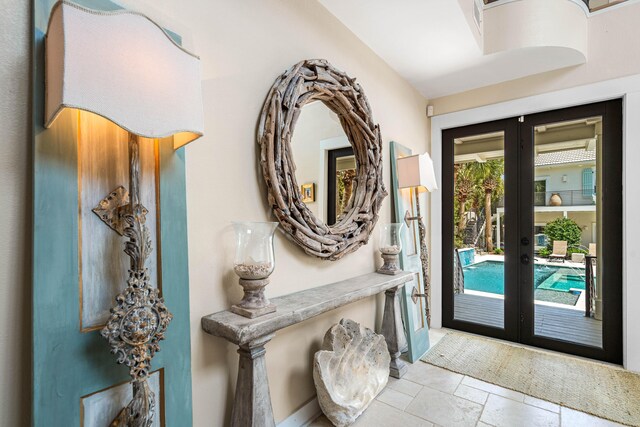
391, 264
252, 405
254, 303
393, 331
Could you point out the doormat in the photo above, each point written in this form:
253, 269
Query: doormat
595, 388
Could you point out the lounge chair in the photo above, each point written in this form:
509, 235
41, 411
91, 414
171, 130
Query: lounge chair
559, 250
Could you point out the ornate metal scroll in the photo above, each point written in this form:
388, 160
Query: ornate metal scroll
139, 318
113, 208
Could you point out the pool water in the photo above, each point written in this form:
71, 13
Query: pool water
488, 276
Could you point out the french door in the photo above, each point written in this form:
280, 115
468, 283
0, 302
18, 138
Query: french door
532, 229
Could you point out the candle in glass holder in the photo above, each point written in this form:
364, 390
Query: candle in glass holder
390, 246
254, 262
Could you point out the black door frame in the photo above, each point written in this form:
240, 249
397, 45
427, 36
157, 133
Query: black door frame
511, 311
610, 247
519, 176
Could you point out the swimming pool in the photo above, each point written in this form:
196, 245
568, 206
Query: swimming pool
488, 276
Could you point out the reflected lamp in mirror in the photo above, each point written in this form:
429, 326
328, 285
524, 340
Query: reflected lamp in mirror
124, 67
417, 173
390, 246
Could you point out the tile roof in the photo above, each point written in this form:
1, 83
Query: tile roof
562, 157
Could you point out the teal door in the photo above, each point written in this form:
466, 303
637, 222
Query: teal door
79, 263
414, 313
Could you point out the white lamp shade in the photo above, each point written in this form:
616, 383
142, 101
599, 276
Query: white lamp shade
417, 172
124, 67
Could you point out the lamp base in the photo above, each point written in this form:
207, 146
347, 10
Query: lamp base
254, 303
391, 264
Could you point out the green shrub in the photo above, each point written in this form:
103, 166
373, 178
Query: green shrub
498, 251
563, 229
544, 252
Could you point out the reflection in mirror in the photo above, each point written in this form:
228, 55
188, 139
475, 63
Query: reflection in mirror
341, 173
325, 164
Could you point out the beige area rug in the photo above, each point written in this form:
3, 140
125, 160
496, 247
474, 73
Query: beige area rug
598, 389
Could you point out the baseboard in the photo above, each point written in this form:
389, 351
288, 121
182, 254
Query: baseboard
303, 416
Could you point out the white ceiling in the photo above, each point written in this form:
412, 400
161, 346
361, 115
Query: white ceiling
436, 45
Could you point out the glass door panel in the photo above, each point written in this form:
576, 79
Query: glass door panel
480, 189
479, 212
567, 163
570, 222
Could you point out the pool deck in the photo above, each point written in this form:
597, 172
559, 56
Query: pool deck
538, 260
551, 320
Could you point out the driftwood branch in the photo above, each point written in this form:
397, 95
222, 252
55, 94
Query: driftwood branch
306, 82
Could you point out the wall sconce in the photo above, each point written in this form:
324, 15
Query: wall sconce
416, 172
126, 68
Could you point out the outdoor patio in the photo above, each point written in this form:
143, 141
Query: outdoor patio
550, 320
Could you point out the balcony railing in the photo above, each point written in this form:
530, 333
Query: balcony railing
567, 198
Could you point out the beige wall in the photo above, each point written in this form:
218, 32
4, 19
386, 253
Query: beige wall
612, 52
15, 215
244, 46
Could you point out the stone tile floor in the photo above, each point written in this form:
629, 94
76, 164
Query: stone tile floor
432, 396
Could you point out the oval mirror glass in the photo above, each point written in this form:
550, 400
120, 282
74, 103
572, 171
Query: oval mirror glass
325, 162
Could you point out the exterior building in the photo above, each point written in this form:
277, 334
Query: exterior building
565, 186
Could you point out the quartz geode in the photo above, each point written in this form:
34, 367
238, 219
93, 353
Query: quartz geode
349, 371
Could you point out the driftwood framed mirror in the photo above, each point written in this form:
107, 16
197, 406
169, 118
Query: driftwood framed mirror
359, 190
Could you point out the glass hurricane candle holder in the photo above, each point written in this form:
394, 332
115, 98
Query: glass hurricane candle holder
390, 247
254, 262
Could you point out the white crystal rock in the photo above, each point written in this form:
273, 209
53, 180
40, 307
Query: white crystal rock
349, 371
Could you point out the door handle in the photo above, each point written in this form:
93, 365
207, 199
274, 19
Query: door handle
524, 259
415, 295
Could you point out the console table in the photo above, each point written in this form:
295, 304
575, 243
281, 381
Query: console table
252, 404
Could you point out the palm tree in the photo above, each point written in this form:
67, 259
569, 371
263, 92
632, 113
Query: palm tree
464, 185
489, 176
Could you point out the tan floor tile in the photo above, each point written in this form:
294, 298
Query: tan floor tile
321, 421
404, 386
395, 398
572, 418
543, 404
502, 412
434, 377
379, 414
493, 389
436, 335
472, 394
444, 409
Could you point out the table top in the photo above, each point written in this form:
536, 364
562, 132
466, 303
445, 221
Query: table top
300, 306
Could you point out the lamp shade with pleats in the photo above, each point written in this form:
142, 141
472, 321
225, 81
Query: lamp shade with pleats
417, 172
122, 66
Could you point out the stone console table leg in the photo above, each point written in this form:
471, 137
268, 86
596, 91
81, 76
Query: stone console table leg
252, 405
393, 331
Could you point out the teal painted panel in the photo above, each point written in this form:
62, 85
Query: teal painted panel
414, 318
175, 285
68, 364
